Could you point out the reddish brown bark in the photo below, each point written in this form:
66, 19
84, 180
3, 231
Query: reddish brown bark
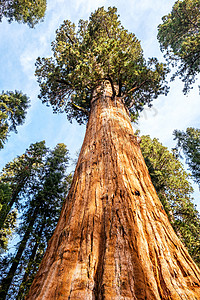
113, 239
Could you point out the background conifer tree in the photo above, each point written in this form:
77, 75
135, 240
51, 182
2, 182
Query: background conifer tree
23, 11
40, 197
13, 108
175, 192
179, 39
188, 142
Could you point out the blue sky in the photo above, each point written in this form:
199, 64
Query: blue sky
20, 46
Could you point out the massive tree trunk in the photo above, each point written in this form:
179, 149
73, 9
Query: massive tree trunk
113, 239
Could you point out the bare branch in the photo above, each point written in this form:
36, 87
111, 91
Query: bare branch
63, 81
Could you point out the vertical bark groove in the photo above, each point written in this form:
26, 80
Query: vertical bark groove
113, 239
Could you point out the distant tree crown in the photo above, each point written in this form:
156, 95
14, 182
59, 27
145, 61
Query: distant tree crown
23, 11
13, 108
189, 143
179, 37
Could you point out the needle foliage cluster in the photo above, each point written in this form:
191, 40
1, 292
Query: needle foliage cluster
179, 37
99, 50
13, 108
23, 11
188, 142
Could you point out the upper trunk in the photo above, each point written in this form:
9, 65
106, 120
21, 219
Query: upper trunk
113, 239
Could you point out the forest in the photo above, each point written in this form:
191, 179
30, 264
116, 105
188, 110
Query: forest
100, 150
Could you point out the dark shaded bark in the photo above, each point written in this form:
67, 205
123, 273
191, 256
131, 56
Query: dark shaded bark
113, 239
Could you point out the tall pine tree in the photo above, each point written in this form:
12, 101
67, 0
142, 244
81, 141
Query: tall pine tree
17, 176
175, 192
41, 198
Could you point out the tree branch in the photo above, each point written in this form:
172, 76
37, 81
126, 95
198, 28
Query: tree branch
67, 35
80, 108
134, 89
63, 81
139, 86
187, 17
120, 88
112, 85
105, 25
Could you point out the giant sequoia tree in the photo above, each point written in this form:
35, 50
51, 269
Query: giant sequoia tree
113, 239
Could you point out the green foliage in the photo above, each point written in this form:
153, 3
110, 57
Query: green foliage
16, 178
39, 177
175, 192
179, 37
7, 231
13, 106
19, 172
99, 50
9, 219
189, 143
23, 11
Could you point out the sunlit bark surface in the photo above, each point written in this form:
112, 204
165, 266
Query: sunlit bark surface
113, 239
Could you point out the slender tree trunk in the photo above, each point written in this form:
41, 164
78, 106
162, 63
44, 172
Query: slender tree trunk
113, 239
6, 282
31, 264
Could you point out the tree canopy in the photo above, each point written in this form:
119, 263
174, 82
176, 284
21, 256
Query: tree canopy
23, 11
13, 107
189, 143
99, 50
174, 191
179, 38
15, 179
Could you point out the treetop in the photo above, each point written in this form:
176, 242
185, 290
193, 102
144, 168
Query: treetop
98, 50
